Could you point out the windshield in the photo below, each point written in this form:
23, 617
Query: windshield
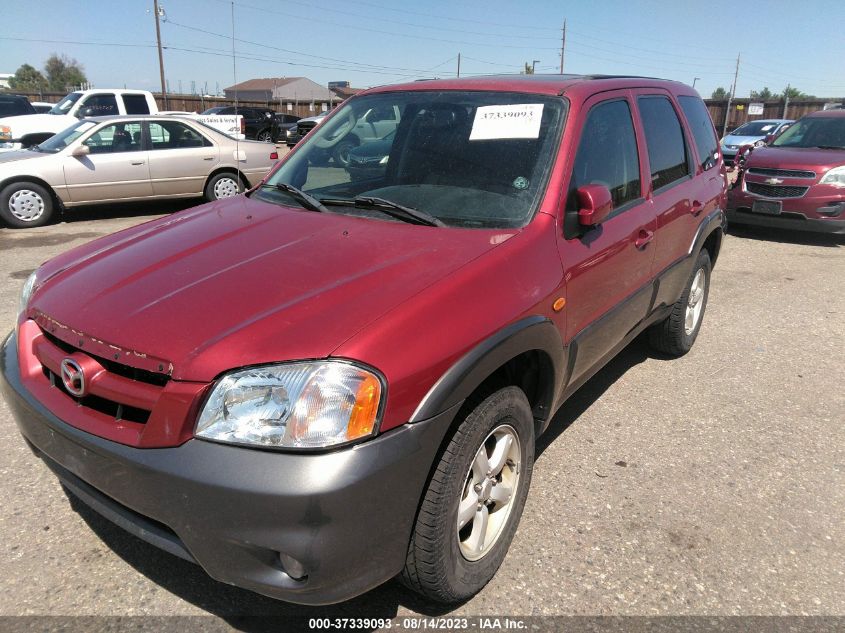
825, 132
755, 128
470, 159
64, 138
65, 104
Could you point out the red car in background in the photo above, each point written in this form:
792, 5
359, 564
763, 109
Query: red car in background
797, 181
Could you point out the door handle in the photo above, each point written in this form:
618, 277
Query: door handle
643, 238
208, 158
696, 208
138, 162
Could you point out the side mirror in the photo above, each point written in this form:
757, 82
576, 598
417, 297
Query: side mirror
769, 138
594, 204
86, 112
81, 150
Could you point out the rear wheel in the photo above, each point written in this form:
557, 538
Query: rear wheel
265, 136
341, 152
474, 500
24, 204
223, 185
676, 334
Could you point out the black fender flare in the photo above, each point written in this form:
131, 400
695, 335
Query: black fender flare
716, 220
534, 333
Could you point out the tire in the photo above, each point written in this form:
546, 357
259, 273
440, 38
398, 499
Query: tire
445, 562
26, 204
341, 152
676, 334
223, 185
265, 136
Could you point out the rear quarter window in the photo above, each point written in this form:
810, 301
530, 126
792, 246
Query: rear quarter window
702, 130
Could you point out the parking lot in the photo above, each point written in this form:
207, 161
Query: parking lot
713, 484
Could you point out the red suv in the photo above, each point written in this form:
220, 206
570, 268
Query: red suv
798, 180
325, 383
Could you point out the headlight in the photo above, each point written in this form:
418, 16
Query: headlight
28, 288
835, 176
313, 404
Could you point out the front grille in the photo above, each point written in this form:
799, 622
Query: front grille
120, 412
117, 391
303, 128
775, 191
782, 173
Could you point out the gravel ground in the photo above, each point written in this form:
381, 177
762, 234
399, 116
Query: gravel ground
713, 484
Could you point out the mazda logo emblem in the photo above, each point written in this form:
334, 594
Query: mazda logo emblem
73, 377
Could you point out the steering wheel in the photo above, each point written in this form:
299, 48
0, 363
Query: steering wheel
344, 127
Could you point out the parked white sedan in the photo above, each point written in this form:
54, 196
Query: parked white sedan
108, 159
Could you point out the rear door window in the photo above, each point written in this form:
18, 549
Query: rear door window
136, 104
667, 153
702, 130
175, 135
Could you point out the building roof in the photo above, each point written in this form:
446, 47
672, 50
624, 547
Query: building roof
267, 83
345, 93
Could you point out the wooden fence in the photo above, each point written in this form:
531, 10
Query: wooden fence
738, 114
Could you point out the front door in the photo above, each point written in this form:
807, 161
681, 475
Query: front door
115, 169
608, 267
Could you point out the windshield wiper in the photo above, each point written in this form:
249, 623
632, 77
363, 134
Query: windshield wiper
388, 207
308, 201
830, 147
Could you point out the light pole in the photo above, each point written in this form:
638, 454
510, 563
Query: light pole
694, 79
534, 62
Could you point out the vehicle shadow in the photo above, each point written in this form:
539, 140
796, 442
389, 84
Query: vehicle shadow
785, 236
248, 611
127, 209
638, 351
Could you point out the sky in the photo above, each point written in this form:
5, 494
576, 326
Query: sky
374, 42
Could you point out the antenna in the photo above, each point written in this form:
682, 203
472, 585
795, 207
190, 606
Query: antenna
235, 78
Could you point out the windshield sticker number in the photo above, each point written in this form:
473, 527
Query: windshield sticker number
507, 121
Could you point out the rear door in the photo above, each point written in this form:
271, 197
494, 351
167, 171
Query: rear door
608, 267
671, 185
181, 158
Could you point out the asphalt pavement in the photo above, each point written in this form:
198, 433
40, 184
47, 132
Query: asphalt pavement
713, 484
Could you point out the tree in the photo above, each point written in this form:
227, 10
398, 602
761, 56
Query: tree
719, 93
794, 93
529, 69
27, 79
63, 73
763, 94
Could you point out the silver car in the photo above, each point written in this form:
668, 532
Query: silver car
122, 158
751, 133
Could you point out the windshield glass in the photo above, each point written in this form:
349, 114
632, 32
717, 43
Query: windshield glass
65, 104
470, 159
755, 128
814, 132
64, 138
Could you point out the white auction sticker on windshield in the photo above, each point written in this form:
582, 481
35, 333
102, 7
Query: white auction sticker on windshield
507, 121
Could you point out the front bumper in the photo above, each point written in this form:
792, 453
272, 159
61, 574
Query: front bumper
820, 210
344, 516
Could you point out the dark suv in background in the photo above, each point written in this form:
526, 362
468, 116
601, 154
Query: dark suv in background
260, 124
324, 383
15, 105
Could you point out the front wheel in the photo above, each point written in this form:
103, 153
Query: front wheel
474, 500
341, 152
25, 204
676, 334
223, 185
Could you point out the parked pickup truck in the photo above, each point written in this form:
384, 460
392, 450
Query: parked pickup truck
25, 131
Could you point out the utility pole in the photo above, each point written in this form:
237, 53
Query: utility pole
459, 64
694, 79
785, 101
562, 46
731, 97
160, 56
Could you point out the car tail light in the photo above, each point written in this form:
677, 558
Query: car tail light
274, 155
243, 126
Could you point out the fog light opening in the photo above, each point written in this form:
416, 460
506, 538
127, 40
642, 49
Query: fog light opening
834, 209
292, 567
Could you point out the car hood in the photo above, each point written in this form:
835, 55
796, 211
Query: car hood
21, 154
241, 282
740, 140
808, 158
38, 123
